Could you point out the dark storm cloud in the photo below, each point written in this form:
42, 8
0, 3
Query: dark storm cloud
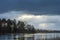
41, 6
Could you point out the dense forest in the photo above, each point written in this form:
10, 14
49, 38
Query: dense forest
13, 26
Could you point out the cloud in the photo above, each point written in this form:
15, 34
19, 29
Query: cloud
42, 21
11, 14
51, 22
44, 6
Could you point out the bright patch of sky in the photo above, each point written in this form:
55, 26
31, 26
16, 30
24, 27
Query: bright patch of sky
39, 21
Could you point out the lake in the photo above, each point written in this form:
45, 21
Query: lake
36, 36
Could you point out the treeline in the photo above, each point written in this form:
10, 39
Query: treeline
13, 26
47, 31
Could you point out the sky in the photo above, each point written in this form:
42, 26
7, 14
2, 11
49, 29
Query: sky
43, 14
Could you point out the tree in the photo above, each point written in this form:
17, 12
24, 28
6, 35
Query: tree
0, 22
30, 28
3, 28
20, 26
9, 26
0, 25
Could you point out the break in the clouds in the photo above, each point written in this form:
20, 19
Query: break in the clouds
51, 22
42, 6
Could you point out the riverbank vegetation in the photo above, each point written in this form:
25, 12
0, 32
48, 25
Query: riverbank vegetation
13, 26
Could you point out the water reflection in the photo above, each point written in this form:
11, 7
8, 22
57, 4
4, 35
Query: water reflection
37, 36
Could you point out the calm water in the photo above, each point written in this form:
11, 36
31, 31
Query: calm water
37, 36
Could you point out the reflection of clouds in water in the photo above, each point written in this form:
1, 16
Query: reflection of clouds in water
30, 36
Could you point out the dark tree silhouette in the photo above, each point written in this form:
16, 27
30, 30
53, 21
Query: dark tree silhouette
30, 28
0, 25
11, 26
20, 26
9, 23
